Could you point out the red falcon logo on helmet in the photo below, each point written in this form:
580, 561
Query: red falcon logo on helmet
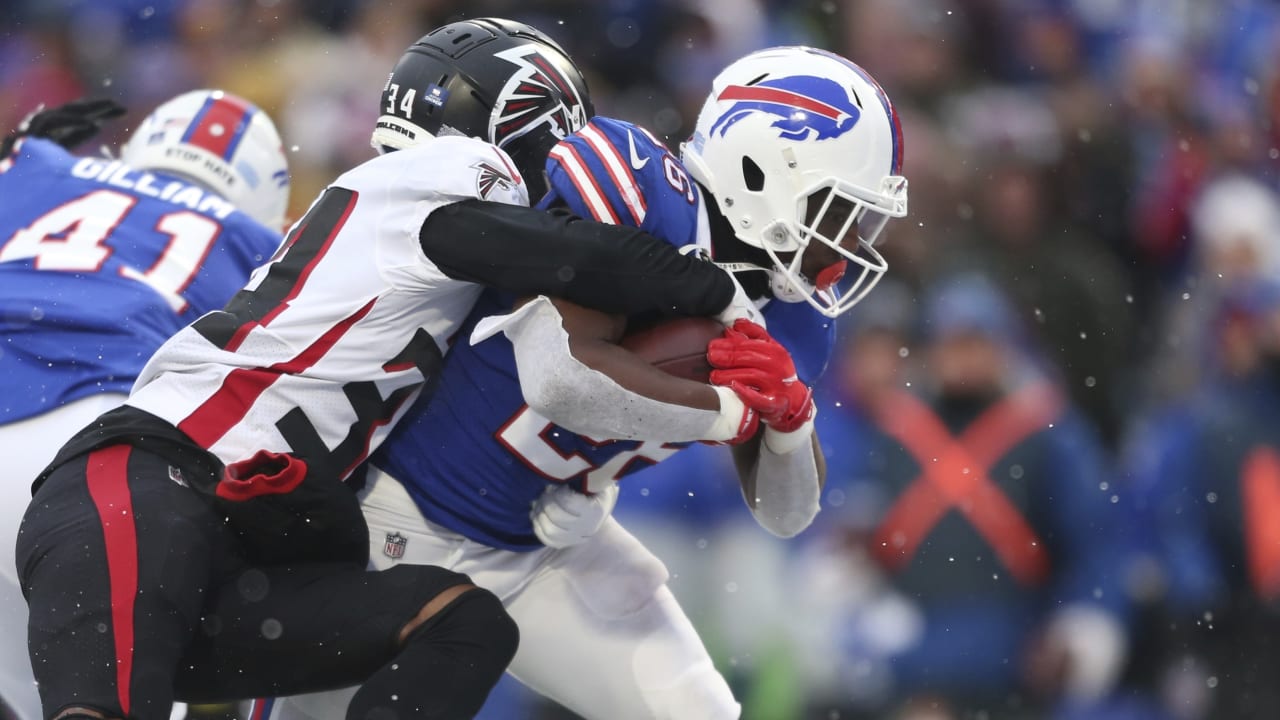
537, 94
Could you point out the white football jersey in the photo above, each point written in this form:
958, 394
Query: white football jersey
333, 338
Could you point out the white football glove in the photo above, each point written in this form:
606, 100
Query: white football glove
563, 516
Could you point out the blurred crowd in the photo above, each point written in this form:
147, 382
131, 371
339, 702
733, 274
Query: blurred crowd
1053, 434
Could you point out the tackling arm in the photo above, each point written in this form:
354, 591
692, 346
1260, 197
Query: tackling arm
613, 268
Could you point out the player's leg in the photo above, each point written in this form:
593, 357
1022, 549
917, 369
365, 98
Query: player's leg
114, 558
602, 635
17, 684
27, 446
391, 515
422, 641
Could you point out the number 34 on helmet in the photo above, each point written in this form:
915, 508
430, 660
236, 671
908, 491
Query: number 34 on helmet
801, 145
490, 78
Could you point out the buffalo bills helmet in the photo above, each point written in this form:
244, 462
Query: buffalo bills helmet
224, 143
498, 80
797, 145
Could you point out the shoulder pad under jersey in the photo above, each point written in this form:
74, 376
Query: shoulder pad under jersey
447, 169
616, 172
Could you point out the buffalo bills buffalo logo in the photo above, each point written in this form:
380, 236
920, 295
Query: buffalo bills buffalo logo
807, 107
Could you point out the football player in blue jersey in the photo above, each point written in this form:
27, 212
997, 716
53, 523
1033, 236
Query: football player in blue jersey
101, 260
200, 541
791, 174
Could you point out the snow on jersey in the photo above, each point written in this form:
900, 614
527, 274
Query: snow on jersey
476, 457
331, 340
99, 264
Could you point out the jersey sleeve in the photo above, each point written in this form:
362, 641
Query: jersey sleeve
616, 269
616, 172
395, 194
451, 169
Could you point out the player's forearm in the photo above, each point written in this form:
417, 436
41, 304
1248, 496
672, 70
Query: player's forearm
564, 390
782, 489
634, 375
613, 268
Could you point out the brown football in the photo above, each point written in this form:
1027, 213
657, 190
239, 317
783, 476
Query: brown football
678, 347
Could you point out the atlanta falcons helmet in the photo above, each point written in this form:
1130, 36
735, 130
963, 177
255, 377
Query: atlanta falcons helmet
224, 143
498, 80
800, 145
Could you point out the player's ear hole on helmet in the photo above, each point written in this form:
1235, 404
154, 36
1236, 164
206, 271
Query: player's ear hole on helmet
752, 174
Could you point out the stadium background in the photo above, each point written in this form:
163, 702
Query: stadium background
1109, 166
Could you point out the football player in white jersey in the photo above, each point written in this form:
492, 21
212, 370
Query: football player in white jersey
200, 542
795, 167
101, 260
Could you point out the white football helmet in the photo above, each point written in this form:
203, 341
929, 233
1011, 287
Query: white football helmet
222, 142
790, 137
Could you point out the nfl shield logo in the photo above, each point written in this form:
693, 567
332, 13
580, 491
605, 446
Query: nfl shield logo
394, 546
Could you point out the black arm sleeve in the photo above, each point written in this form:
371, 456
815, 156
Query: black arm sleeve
613, 268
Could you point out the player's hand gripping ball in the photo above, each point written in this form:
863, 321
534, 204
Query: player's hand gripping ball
760, 370
678, 347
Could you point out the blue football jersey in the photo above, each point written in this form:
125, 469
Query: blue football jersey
99, 264
474, 457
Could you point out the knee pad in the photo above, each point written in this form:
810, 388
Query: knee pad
477, 619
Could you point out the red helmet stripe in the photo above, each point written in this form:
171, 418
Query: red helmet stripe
219, 125
760, 93
895, 125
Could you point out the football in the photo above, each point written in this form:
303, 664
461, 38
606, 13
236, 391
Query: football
677, 347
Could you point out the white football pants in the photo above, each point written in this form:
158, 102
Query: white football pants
26, 447
600, 633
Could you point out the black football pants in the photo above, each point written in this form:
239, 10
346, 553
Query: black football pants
139, 595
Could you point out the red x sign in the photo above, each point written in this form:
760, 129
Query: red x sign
1260, 485
954, 476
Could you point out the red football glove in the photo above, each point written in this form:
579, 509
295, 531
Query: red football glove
762, 373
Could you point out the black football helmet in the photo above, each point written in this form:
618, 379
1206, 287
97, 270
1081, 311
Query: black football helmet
494, 79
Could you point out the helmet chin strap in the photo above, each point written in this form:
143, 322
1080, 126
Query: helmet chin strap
782, 287
739, 267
